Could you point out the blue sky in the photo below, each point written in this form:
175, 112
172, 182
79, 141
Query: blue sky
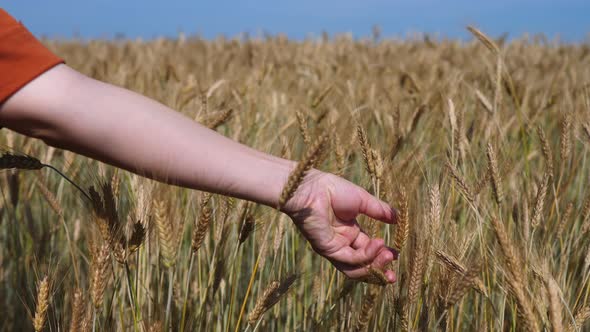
568, 19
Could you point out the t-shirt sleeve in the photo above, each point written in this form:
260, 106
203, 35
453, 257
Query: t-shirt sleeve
22, 56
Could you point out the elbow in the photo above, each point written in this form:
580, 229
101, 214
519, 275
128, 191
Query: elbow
41, 109
50, 136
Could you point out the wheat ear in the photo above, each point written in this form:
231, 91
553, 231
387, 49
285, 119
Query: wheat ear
566, 138
246, 229
580, 318
302, 121
555, 314
564, 219
546, 149
78, 311
454, 265
540, 201
461, 183
586, 215
417, 273
42, 304
494, 174
376, 277
220, 119
202, 223
366, 150
516, 278
296, 177
462, 285
318, 100
271, 295
99, 274
403, 224
166, 235
367, 307
586, 127
24, 162
488, 43
339, 155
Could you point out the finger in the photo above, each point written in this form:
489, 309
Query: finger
377, 209
390, 276
362, 273
361, 241
384, 257
359, 257
352, 272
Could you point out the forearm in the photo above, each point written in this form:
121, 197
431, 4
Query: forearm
138, 134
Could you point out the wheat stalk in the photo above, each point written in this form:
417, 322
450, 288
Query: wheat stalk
458, 135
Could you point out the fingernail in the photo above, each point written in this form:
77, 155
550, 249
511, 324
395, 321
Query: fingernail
394, 252
391, 276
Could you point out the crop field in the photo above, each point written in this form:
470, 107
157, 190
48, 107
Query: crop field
483, 146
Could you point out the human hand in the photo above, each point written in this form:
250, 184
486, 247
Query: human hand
325, 207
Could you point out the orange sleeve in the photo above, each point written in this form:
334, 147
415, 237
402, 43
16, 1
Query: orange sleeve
22, 56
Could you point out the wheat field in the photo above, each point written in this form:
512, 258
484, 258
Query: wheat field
482, 146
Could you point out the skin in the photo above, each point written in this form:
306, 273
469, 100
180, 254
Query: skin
68, 110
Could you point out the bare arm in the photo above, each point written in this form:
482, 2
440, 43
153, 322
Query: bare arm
69, 110
117, 126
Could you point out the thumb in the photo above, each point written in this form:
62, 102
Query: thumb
377, 209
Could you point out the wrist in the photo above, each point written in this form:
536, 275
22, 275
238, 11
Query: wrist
269, 179
265, 180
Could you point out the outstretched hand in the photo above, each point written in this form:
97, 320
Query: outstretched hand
325, 207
